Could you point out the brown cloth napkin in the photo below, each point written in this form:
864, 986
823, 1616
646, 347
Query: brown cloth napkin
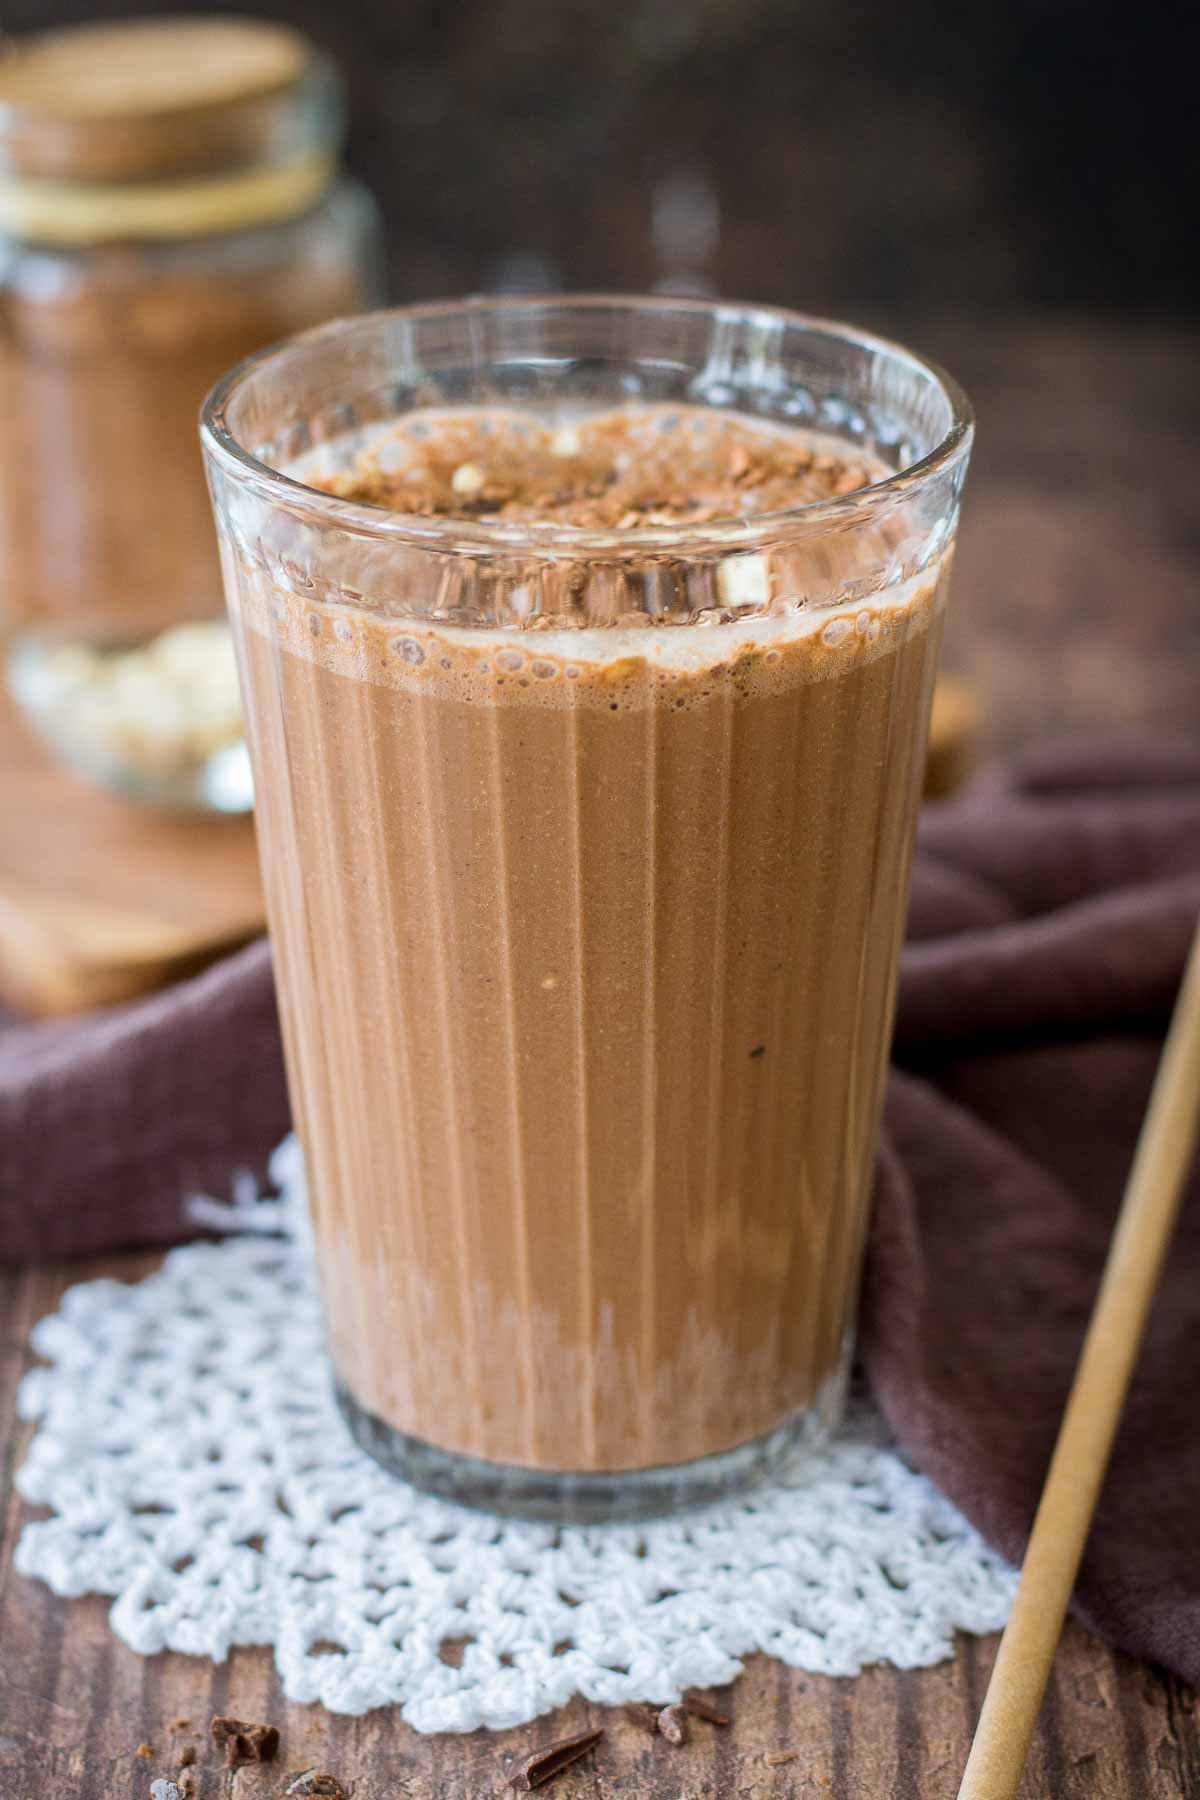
1052, 912
1052, 908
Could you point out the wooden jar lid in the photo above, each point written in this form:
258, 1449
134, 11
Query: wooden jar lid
155, 99
140, 67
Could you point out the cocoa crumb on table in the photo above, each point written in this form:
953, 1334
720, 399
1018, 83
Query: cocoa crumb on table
145, 1751
315, 1783
242, 1742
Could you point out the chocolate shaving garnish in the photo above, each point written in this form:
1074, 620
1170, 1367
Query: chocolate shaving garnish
673, 1723
243, 1743
700, 1708
634, 467
543, 1765
775, 1759
313, 1783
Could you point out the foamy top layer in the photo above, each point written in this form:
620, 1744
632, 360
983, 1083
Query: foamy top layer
625, 668
753, 621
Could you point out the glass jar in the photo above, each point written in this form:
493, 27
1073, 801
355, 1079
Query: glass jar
169, 202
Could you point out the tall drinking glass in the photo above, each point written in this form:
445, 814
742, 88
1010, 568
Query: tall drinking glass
586, 851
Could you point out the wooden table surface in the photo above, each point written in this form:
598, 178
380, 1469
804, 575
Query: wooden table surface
1076, 607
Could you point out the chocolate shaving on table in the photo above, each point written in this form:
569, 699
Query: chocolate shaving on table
673, 1723
775, 1759
314, 1783
544, 1764
700, 1708
242, 1742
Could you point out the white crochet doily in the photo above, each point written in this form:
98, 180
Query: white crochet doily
197, 1470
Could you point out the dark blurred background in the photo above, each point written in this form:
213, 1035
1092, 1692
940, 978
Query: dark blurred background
906, 159
1002, 185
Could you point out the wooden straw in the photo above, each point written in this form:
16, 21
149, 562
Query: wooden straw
1135, 1256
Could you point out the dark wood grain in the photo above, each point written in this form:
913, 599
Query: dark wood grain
1075, 609
75, 1704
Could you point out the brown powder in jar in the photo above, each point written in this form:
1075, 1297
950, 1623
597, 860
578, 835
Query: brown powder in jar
172, 205
105, 524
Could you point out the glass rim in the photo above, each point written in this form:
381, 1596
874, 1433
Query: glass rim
554, 537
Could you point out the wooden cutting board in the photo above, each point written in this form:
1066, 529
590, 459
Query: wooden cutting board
100, 901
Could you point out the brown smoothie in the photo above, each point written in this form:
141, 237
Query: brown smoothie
586, 945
